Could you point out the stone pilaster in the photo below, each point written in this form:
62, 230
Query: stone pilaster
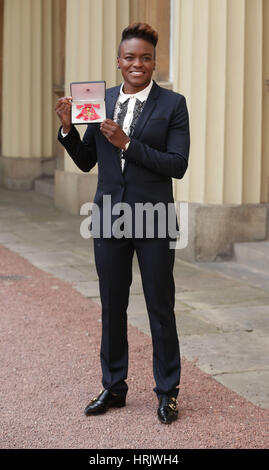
218, 64
93, 31
27, 93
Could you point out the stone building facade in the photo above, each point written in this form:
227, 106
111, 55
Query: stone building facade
215, 52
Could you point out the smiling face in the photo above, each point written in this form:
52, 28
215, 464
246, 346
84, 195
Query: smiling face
137, 62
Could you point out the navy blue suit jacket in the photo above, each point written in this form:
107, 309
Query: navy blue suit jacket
158, 151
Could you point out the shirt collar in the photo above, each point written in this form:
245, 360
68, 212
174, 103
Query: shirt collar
141, 95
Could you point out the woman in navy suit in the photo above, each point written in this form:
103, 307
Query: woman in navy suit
139, 148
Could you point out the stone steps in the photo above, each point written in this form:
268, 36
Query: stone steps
254, 255
45, 186
239, 272
250, 264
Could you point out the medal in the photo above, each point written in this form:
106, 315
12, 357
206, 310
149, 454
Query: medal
88, 112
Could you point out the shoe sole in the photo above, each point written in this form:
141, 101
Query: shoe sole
119, 405
100, 412
168, 422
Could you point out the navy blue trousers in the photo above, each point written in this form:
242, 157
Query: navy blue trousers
113, 258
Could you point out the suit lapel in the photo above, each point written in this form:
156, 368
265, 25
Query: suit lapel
111, 99
147, 110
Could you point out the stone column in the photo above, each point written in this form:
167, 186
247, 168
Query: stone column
27, 93
218, 50
93, 31
265, 133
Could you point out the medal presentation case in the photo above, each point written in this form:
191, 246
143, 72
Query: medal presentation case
88, 102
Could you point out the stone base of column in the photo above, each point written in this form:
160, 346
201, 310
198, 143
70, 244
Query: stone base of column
73, 189
212, 229
19, 173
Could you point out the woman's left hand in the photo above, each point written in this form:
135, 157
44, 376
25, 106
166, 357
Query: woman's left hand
114, 133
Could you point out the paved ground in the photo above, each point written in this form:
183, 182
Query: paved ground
50, 333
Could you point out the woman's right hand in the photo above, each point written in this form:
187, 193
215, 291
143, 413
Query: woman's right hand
63, 109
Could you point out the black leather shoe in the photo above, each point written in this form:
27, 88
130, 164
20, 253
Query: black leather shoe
104, 401
167, 411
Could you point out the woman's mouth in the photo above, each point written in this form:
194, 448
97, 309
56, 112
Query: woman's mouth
137, 74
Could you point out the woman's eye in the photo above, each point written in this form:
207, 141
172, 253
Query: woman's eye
145, 59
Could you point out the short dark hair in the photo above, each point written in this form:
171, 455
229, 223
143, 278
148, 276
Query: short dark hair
139, 30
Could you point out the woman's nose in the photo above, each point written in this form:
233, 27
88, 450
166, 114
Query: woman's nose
138, 63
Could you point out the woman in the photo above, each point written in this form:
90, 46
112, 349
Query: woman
140, 147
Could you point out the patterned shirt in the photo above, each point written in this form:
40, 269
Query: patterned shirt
127, 111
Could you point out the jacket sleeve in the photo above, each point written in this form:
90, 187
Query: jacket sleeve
82, 152
174, 161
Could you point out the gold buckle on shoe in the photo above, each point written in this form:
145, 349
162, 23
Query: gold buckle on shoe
173, 406
95, 398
